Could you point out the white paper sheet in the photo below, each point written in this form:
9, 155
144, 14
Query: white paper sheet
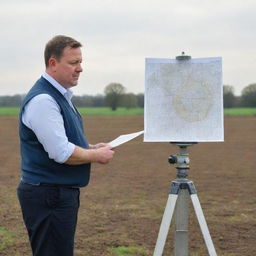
124, 138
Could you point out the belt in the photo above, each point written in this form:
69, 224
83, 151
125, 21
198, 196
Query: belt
57, 185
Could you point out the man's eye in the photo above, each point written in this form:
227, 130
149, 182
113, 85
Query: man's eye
75, 63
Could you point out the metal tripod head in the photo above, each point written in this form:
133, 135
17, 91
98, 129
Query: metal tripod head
181, 159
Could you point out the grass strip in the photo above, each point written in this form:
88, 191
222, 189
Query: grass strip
104, 111
240, 111
128, 251
6, 238
14, 111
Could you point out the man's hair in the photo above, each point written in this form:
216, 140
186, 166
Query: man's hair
55, 47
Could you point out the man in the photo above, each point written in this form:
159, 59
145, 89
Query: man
55, 154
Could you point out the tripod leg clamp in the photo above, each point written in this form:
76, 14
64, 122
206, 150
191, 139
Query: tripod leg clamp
177, 185
191, 188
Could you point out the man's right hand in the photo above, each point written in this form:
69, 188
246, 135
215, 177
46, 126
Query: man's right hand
104, 154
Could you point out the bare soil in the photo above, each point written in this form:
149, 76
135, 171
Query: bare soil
124, 202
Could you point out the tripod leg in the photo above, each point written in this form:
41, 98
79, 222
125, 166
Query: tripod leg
203, 225
181, 224
165, 225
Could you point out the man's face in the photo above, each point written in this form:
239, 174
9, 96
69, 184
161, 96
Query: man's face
67, 69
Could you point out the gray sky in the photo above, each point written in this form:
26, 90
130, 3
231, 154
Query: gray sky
119, 34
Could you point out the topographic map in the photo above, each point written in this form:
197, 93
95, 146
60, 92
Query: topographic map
183, 100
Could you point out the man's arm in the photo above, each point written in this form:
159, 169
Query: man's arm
100, 155
42, 115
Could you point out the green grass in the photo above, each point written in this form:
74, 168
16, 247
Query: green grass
9, 111
240, 111
108, 112
14, 111
128, 251
6, 238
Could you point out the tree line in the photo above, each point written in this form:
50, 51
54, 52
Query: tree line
115, 96
247, 98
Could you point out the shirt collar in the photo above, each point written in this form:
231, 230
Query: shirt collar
65, 92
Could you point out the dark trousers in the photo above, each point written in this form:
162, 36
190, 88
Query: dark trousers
50, 216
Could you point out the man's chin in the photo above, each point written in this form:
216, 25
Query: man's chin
75, 83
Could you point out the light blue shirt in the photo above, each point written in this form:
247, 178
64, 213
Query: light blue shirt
42, 115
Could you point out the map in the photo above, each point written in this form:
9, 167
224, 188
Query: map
183, 100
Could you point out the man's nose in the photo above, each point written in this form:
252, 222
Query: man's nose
79, 68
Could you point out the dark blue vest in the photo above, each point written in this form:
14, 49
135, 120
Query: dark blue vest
36, 166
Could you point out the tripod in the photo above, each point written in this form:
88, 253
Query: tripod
179, 193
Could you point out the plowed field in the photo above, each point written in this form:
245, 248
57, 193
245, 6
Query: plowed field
124, 202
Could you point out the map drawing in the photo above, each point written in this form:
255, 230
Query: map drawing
183, 100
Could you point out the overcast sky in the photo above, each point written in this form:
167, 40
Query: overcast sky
119, 34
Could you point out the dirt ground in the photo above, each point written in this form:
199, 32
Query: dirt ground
124, 202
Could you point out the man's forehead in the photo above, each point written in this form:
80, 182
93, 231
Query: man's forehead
74, 53
69, 50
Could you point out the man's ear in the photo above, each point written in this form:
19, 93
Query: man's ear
53, 64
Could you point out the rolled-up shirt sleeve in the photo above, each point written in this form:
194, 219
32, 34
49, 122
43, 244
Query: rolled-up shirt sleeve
42, 115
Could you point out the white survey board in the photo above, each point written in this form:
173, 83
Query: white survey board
183, 100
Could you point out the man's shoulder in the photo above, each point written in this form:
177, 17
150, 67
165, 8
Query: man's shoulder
42, 98
39, 93
42, 86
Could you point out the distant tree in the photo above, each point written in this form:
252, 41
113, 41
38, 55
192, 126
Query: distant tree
88, 100
11, 101
129, 100
98, 101
140, 100
228, 96
238, 102
82, 101
248, 96
113, 95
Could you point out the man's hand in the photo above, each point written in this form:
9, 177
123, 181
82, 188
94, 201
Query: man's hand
104, 154
98, 145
